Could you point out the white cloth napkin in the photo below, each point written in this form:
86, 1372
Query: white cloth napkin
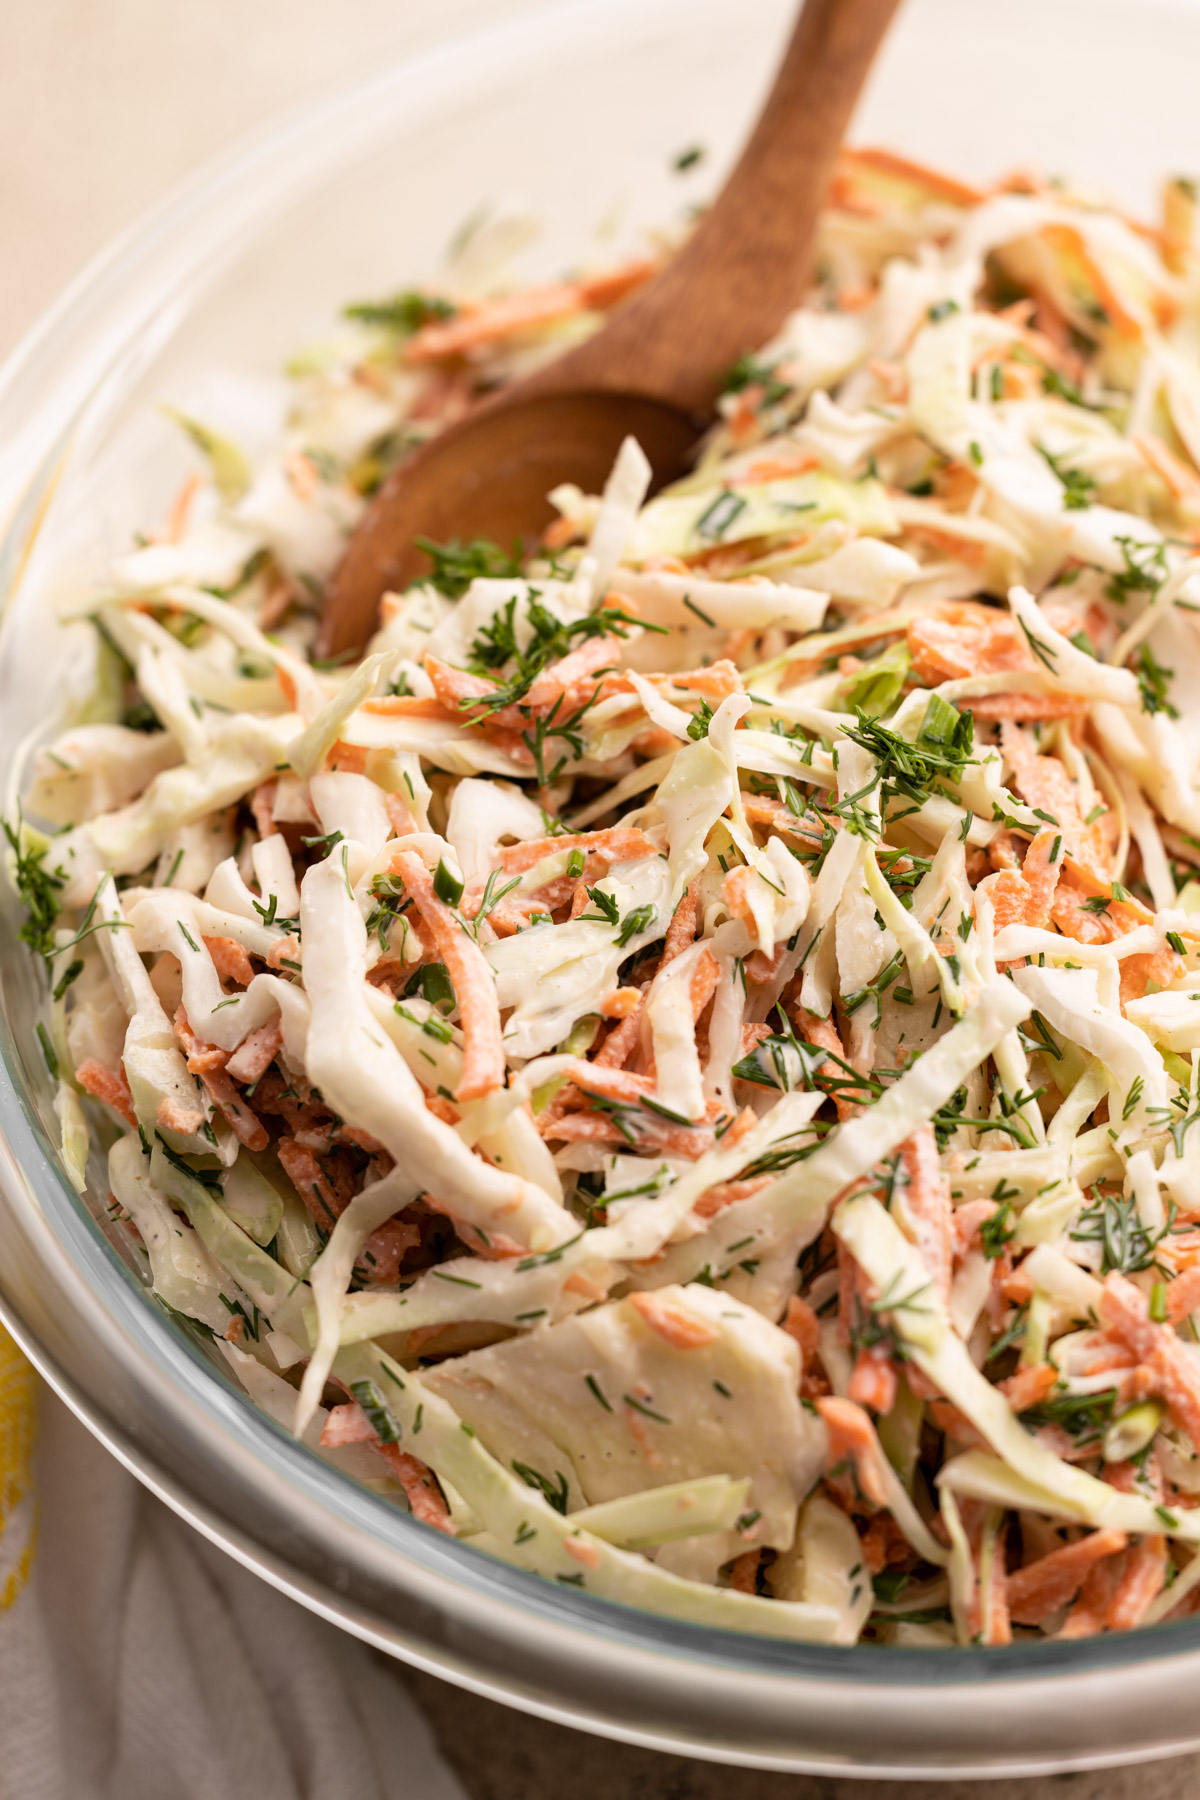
137, 1662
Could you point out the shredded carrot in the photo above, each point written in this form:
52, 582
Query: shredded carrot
492, 323
824, 1033
1139, 1584
1029, 1386
1183, 1295
1026, 708
681, 1329
618, 1046
979, 641
255, 1054
620, 1003
230, 960
903, 168
306, 1176
682, 929
200, 1057
262, 805
1043, 1586
409, 706
927, 1206
1165, 1366
621, 843
1183, 482
1069, 242
472, 980
1089, 1615
802, 1323
248, 1128
108, 1085
852, 1435
872, 1381
173, 1115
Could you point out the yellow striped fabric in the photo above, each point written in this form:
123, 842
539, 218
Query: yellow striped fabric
18, 1427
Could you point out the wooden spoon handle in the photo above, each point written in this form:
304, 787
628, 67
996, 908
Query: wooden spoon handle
746, 265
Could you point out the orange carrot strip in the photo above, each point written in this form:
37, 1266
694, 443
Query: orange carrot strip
1041, 871
1044, 783
618, 1046
201, 1057
1160, 966
1069, 240
988, 1615
802, 1323
603, 291
384, 1251
620, 1003
304, 1172
1089, 1614
1183, 1295
248, 1128
703, 983
851, 1434
682, 1330
1140, 1582
255, 1054
415, 1477
1184, 483
262, 805
1009, 894
927, 1205
1166, 1368
108, 1085
611, 1084
904, 168
474, 986
824, 1033
873, 1380
458, 692
620, 843
1026, 708
1028, 1387
524, 311
983, 642
580, 664
682, 930
1043, 1586
173, 1115
410, 706
230, 960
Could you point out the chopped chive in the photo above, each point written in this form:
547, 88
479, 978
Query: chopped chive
48, 1051
594, 1386
638, 1406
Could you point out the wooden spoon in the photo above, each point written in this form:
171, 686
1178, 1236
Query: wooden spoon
656, 368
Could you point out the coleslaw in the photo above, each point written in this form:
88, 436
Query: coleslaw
679, 1066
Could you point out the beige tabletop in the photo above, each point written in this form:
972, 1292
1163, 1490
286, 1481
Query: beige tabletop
105, 103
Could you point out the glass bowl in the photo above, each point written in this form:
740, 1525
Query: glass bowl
582, 109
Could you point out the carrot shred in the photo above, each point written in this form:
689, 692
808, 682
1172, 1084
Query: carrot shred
109, 1085
1043, 1586
681, 1329
474, 987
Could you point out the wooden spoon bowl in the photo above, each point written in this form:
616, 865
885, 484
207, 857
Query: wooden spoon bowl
514, 456
655, 369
